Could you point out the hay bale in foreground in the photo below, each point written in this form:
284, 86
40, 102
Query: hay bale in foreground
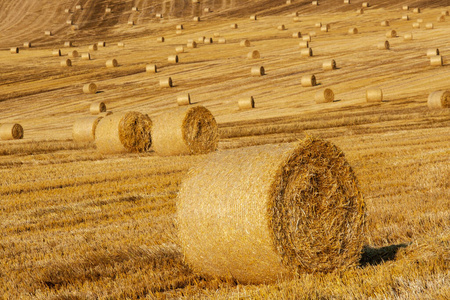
172, 59
11, 131
90, 88
97, 107
439, 99
324, 96
84, 129
124, 132
264, 213
185, 130
374, 95
246, 103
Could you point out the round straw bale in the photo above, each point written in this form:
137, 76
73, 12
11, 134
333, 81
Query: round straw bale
324, 96
192, 44
196, 1
159, 16
151, 68
56, 52
347, 2
383, 45
131, 23
179, 27
185, 130
262, 213
416, 10
360, 11
306, 52
445, 13
324, 28
419, 20
329, 65
253, 17
308, 80
173, 59
68, 44
306, 38
405, 7
432, 52
408, 36
374, 95
303, 44
234, 26
391, 33
112, 63
281, 27
405, 17
184, 100
207, 9
258, 71
295, 14
69, 22
84, 129
134, 8
416, 25
160, 39
222, 40
353, 30
253, 54
196, 19
100, 44
318, 24
108, 10
201, 39
120, 44
73, 53
297, 34
66, 63
67, 11
90, 88
315, 3
436, 60
27, 44
384, 23
179, 49
14, 50
365, 4
208, 41
85, 56
11, 131
124, 132
288, 2
296, 19
166, 82
429, 26
97, 107
440, 18
78, 7
245, 43
93, 47
75, 27
246, 103
48, 33
439, 99
312, 33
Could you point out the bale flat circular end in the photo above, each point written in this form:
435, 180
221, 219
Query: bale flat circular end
66, 63
112, 63
246, 103
383, 45
272, 211
90, 88
257, 71
166, 82
439, 99
184, 100
374, 95
245, 43
97, 107
151, 69
308, 80
329, 65
436, 60
173, 59
324, 96
84, 129
254, 54
11, 131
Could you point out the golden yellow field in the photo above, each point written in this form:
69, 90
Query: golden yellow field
77, 224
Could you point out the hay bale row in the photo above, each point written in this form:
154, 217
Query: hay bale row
11, 131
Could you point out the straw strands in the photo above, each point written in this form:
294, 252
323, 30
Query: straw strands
374, 95
268, 212
151, 68
184, 131
257, 71
97, 107
11, 131
184, 100
124, 132
246, 103
308, 80
439, 99
84, 129
324, 96
112, 63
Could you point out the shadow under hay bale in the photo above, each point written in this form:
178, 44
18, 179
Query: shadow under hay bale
375, 256
185, 130
124, 132
263, 213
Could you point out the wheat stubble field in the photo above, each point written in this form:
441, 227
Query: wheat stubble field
77, 224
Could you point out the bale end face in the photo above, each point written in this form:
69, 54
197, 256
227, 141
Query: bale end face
439, 99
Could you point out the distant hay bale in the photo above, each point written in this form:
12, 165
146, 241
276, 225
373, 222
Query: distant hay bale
84, 129
73, 53
318, 24
67, 11
201, 39
179, 27
353, 30
405, 7
97, 107
429, 26
160, 39
445, 13
253, 17
93, 47
262, 213
66, 63
296, 19
173, 59
179, 49
14, 50
196, 19
306, 38
288, 2
416, 10
151, 68
222, 41
295, 14
78, 7
347, 2
405, 17
365, 4
281, 27
192, 44
134, 8
234, 26
360, 11
86, 56
439, 99
408, 36
130, 23
112, 63
48, 33
69, 22
324, 96
253, 54
100, 44
246, 103
312, 33
329, 65
68, 44
184, 131
416, 25
166, 82
11, 131
432, 52
383, 45
208, 41
196, 1
216, 34
303, 44
315, 3
207, 9
384, 23
308, 80
257, 71
90, 88
184, 100
419, 20
441, 18
75, 27
374, 95
391, 33
159, 16
324, 28
306, 52
124, 132
27, 44
297, 35
436, 60
56, 52
108, 10
245, 43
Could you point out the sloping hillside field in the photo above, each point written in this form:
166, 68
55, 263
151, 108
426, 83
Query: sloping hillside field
142, 210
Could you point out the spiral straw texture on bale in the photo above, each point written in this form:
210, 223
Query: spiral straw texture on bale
439, 99
90, 88
185, 130
11, 131
262, 213
124, 132
324, 96
84, 129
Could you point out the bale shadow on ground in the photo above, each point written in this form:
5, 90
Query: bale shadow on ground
375, 256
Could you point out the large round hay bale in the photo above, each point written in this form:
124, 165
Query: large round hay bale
365, 4
97, 107
66, 63
234, 26
130, 23
308, 80
329, 65
48, 33
245, 43
408, 36
253, 54
196, 19
124, 132
383, 45
151, 68
296, 19
405, 17
135, 8
84, 129
108, 10
360, 11
90, 88
121, 44
179, 49
208, 40
173, 59
78, 7
253, 17
416, 10
303, 44
315, 3
112, 63
306, 52
257, 71
159, 16
56, 52
436, 60
184, 100
263, 213
246, 103
324, 28
441, 18
374, 95
185, 130
14, 50
69, 22
93, 47
166, 82
306, 38
11, 131
439, 99
281, 27
324, 96
318, 24
405, 7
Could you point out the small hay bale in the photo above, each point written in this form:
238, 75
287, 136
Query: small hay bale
184, 131
365, 4
196, 1
296, 19
134, 8
184, 100
216, 34
408, 36
201, 39
405, 17
436, 60
74, 27
312, 33
303, 44
27, 44
384, 23
246, 103
84, 129
66, 63
441, 18
196, 19
67, 11
253, 17
97, 107
160, 39
208, 41
295, 14
86, 56
257, 71
173, 59
73, 53
383, 45
419, 20
68, 44
192, 44
166, 82
179, 49
151, 68
281, 27
439, 99
324, 28
306, 38
130, 23
48, 33
416, 10
308, 80
234, 26
445, 13
318, 24
297, 35
14, 50
391, 34
405, 7
329, 65
374, 95
222, 41
69, 22
93, 47
353, 30
207, 9
288, 2
315, 3
108, 10
306, 52
432, 52
11, 131
270, 212
56, 52
78, 7
253, 54
179, 27
100, 44
360, 11
112, 63
416, 25
324, 96
347, 2
90, 88
429, 26
124, 132
245, 43
159, 16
